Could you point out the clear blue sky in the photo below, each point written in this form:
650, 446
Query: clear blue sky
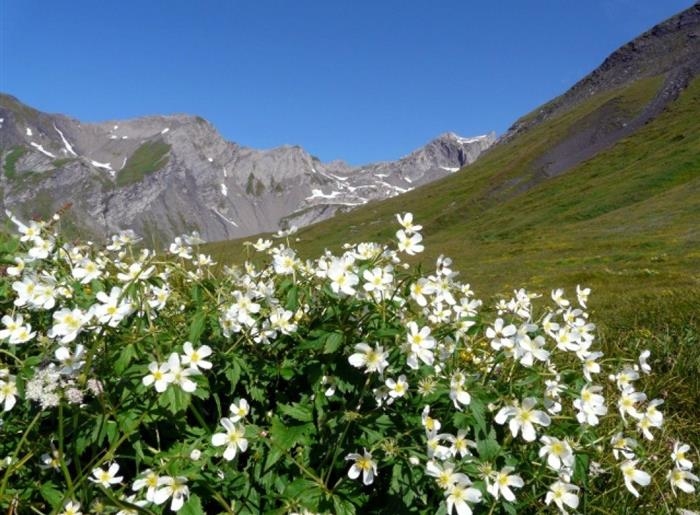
361, 80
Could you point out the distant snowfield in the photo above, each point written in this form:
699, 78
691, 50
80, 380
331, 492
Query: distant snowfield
41, 149
69, 147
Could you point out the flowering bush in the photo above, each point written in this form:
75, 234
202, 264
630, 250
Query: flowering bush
138, 382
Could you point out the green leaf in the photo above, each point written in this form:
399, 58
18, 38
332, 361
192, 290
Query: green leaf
292, 303
284, 436
333, 343
478, 411
51, 494
233, 373
193, 506
122, 362
488, 449
300, 412
197, 326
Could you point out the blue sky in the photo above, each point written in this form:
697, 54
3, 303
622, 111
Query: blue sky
360, 80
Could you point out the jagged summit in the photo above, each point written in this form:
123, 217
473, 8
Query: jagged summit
164, 175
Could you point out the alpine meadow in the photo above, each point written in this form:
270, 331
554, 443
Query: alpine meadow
488, 325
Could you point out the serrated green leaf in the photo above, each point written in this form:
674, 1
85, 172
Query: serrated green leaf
197, 326
51, 494
193, 506
285, 436
300, 412
488, 449
124, 359
478, 411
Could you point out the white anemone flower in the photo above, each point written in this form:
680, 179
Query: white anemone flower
160, 376
559, 453
681, 479
406, 221
195, 357
371, 359
234, 438
420, 344
409, 244
239, 410
562, 494
71, 508
458, 497
175, 487
631, 475
108, 477
522, 418
678, 456
500, 484
363, 464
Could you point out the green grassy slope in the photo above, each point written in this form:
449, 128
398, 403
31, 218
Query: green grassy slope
626, 223
631, 211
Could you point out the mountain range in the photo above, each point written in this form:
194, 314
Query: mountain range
165, 175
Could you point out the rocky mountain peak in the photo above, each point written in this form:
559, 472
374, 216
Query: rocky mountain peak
165, 175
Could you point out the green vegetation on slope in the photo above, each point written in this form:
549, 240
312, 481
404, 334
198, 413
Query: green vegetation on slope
148, 158
625, 223
11, 161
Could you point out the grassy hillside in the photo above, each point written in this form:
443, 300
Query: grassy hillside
626, 223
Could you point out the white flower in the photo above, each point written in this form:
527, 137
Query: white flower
71, 508
522, 418
239, 411
195, 357
459, 495
160, 376
87, 270
8, 390
678, 456
371, 359
175, 487
68, 323
71, 362
680, 478
151, 481
562, 494
108, 477
364, 464
558, 297
406, 222
409, 244
590, 405
234, 438
623, 446
628, 399
181, 375
502, 481
500, 335
643, 357
420, 342
113, 307
16, 331
559, 453
342, 279
445, 474
460, 443
397, 388
582, 295
633, 475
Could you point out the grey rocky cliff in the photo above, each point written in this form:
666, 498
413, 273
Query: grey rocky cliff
165, 175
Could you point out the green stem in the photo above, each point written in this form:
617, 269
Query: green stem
61, 454
11, 467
